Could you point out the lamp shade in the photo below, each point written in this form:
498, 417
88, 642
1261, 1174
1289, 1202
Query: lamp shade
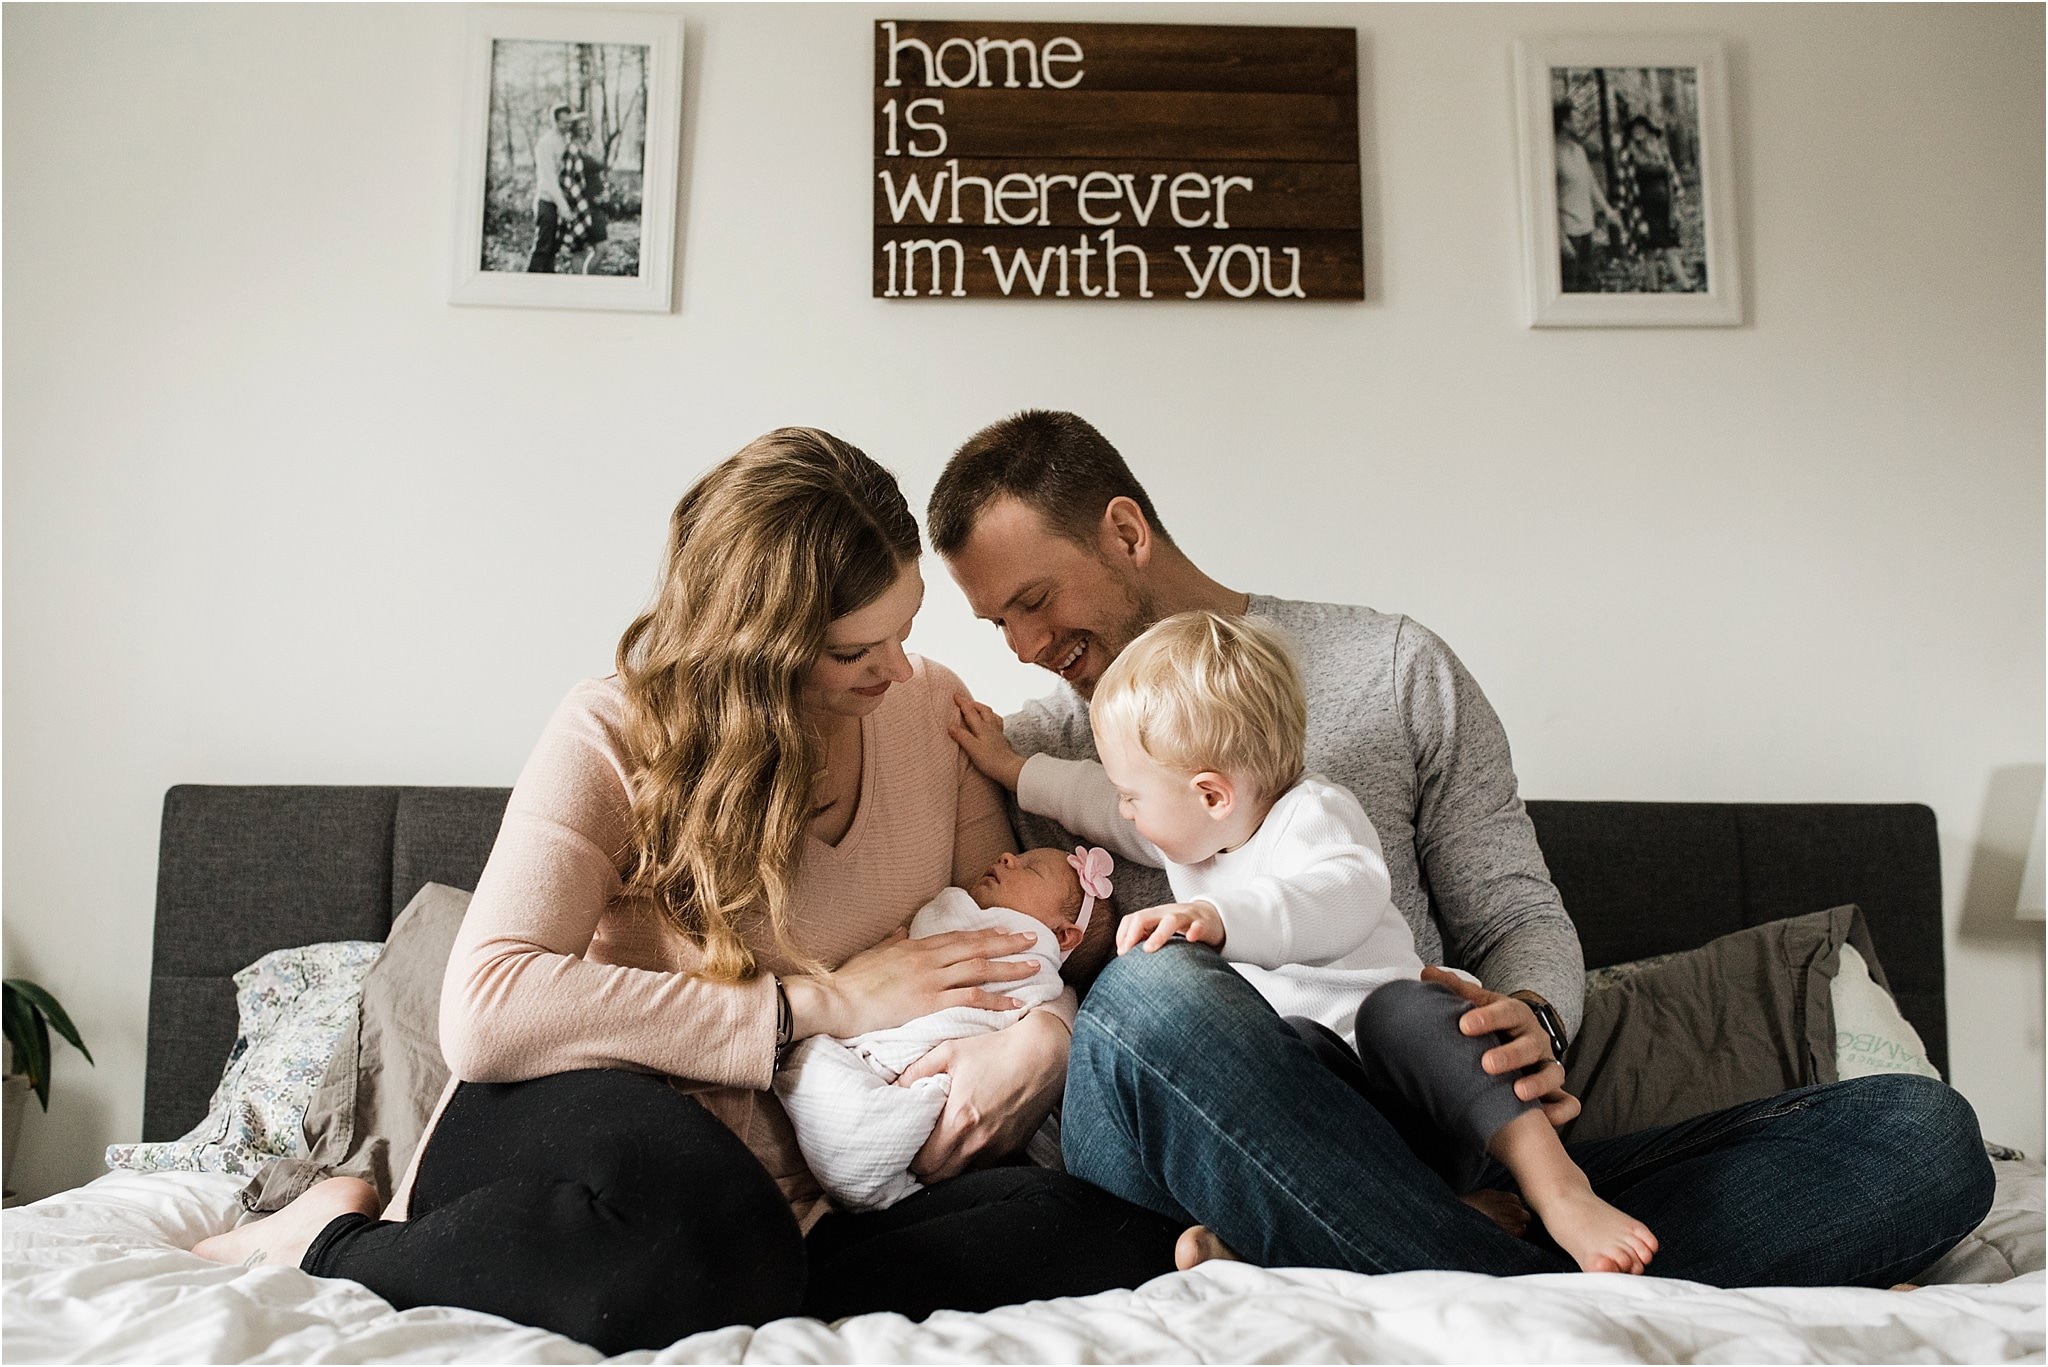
2031, 906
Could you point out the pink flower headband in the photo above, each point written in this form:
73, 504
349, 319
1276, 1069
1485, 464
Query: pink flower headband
1093, 866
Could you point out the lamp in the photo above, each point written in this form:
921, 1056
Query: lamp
2032, 905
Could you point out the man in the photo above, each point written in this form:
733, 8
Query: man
1578, 201
1186, 1094
551, 209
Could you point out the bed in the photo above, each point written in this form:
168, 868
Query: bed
101, 1274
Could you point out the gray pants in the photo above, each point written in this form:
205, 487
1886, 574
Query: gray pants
1424, 1076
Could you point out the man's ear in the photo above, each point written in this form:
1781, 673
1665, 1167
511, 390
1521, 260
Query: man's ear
1218, 793
1126, 536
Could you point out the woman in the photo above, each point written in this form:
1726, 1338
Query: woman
583, 188
709, 856
1649, 190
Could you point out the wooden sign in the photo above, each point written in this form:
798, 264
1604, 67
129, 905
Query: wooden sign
1116, 161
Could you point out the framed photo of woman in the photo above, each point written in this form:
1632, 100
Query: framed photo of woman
566, 190
1628, 212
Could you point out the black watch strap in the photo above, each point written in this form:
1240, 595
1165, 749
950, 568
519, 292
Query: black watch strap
1552, 1023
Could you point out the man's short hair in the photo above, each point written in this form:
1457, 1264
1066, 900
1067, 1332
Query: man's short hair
1201, 691
558, 108
1053, 462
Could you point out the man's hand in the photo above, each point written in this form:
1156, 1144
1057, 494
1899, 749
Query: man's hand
1004, 1086
1154, 926
1493, 1012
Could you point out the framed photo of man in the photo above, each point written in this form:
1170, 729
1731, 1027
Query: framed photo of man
1628, 212
566, 190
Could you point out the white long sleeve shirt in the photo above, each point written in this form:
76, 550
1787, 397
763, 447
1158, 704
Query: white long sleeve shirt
1396, 720
1306, 903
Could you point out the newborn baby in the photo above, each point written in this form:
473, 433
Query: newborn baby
858, 1131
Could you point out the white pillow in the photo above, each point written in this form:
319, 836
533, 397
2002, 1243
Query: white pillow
1870, 1034
295, 1005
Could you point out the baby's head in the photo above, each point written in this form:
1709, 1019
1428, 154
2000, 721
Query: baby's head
1201, 724
1062, 892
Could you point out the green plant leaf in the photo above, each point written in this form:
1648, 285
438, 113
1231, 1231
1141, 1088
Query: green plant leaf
31, 1046
45, 1003
41, 1081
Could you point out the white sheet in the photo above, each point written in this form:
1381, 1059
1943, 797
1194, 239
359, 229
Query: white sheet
100, 1275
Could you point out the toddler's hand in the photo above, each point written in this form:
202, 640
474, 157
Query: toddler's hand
979, 732
1154, 926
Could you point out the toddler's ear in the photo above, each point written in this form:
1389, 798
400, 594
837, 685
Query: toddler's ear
1066, 935
1218, 794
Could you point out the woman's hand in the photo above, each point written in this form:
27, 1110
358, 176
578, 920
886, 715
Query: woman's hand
1003, 1087
901, 979
1493, 1012
979, 733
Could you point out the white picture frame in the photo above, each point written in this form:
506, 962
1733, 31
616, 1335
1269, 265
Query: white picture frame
622, 73
1655, 110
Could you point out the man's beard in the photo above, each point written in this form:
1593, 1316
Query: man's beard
1142, 612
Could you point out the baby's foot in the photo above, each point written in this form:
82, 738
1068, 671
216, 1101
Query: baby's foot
1504, 1208
1599, 1237
282, 1239
1197, 1245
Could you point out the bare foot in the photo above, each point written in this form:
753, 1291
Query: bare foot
1600, 1237
283, 1238
1905, 1286
1504, 1208
1197, 1245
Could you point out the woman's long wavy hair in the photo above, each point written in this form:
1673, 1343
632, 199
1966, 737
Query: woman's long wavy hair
764, 552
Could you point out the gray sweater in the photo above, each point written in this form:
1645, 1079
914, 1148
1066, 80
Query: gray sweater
1394, 717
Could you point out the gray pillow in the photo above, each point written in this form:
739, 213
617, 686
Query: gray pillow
372, 1104
1740, 1018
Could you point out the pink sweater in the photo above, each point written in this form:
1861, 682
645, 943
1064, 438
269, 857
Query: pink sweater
555, 969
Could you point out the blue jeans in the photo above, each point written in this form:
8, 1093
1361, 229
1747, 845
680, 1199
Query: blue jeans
1188, 1095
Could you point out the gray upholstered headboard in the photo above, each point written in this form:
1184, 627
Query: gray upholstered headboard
245, 870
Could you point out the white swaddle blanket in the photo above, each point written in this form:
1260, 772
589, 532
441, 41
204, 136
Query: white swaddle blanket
857, 1129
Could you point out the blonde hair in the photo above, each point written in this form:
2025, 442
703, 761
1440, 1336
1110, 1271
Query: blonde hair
1201, 691
764, 552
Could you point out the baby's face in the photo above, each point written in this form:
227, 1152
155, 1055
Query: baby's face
1040, 883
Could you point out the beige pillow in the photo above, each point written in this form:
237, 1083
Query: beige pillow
1871, 1034
368, 1113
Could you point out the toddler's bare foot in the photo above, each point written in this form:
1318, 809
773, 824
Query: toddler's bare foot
1600, 1237
1504, 1208
282, 1239
1197, 1245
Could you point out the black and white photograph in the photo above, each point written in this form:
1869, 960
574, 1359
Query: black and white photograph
562, 178
1625, 222
569, 159
1628, 179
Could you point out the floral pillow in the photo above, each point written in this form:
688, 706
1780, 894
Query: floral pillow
295, 1006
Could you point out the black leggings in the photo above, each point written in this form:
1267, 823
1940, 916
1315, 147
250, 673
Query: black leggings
609, 1207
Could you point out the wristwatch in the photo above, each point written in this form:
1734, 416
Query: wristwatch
1552, 1023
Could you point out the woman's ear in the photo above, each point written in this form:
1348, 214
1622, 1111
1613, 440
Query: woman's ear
1218, 794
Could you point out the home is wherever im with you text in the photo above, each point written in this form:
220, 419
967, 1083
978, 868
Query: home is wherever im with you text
1001, 139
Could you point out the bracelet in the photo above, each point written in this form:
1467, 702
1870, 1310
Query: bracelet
785, 1022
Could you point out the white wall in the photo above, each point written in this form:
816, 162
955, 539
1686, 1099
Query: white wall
275, 512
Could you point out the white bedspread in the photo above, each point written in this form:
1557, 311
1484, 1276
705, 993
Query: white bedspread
100, 1275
